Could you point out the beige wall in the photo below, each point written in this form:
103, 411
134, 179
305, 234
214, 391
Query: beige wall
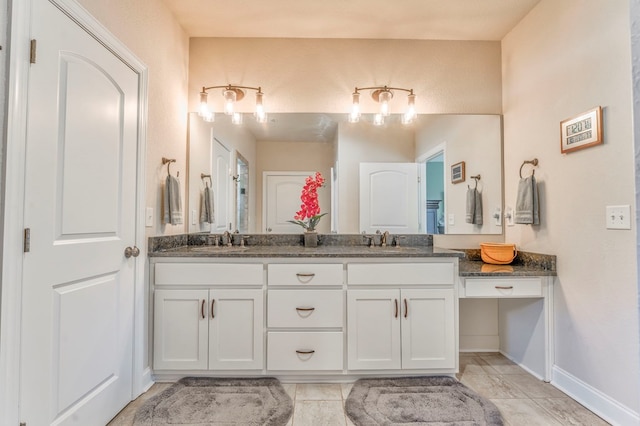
319, 75
295, 156
562, 59
152, 33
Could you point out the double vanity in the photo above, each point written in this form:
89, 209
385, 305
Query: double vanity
334, 312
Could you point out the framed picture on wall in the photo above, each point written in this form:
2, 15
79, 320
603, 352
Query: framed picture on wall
581, 131
457, 172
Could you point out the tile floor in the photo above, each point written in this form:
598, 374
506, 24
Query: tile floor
521, 398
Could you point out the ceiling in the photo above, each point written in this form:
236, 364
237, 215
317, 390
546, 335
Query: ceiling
363, 19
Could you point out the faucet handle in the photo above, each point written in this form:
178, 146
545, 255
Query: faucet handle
397, 239
243, 240
371, 242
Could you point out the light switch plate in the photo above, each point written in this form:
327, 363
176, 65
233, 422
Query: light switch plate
452, 219
497, 217
509, 216
618, 217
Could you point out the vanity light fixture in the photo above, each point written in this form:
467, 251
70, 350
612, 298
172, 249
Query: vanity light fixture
383, 95
232, 94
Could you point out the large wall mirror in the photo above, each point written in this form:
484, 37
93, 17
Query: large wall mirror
251, 163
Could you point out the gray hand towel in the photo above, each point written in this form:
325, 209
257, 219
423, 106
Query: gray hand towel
477, 217
471, 206
527, 203
172, 201
474, 207
206, 206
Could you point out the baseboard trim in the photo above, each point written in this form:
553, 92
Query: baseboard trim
604, 406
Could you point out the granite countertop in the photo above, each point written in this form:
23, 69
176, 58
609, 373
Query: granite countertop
525, 265
301, 251
348, 246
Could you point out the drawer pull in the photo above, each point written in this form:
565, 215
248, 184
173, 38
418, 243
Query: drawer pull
305, 275
504, 287
202, 308
396, 303
305, 309
305, 352
406, 308
213, 301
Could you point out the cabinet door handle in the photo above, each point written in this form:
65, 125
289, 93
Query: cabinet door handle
504, 287
202, 308
305, 309
213, 302
305, 352
406, 308
396, 303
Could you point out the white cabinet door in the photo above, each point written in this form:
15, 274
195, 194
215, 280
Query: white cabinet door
393, 329
180, 329
373, 327
428, 329
236, 329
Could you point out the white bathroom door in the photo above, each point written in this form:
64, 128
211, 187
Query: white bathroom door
80, 208
222, 195
281, 201
389, 198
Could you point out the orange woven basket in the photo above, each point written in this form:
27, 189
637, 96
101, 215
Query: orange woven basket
497, 253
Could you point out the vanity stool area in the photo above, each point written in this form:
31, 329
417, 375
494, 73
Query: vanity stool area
332, 313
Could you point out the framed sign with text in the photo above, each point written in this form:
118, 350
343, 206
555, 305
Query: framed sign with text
581, 131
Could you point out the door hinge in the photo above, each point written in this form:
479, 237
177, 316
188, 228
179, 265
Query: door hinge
27, 240
32, 52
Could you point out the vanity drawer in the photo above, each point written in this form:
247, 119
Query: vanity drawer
304, 351
208, 273
503, 287
301, 274
305, 308
400, 273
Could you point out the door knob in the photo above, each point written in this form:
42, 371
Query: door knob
131, 251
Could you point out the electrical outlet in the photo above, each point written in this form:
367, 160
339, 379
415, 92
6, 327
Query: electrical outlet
194, 217
452, 219
618, 217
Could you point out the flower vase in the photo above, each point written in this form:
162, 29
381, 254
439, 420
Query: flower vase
310, 239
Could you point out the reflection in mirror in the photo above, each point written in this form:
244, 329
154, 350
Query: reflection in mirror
296, 142
242, 194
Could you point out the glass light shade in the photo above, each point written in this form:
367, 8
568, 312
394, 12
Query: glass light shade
411, 107
384, 97
378, 120
354, 116
203, 108
236, 118
407, 118
261, 115
229, 100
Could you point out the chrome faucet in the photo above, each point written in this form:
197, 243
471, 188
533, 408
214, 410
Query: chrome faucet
384, 238
226, 236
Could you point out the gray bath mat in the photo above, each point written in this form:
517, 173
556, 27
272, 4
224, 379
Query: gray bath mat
217, 402
418, 401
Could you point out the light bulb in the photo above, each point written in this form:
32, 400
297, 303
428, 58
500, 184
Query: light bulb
378, 120
209, 117
236, 118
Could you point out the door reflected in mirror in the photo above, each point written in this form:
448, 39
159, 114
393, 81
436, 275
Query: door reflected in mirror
310, 142
242, 193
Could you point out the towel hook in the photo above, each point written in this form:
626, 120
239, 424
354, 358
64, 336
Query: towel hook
203, 177
533, 162
477, 178
168, 162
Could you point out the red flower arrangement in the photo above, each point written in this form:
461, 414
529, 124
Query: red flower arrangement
310, 208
